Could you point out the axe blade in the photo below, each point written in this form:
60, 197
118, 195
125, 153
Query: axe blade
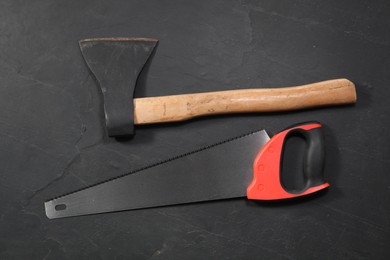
116, 64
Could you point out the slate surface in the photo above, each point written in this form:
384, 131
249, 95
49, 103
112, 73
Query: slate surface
52, 135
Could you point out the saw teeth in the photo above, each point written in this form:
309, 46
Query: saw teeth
157, 163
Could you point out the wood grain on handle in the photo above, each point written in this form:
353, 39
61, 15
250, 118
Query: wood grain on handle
182, 107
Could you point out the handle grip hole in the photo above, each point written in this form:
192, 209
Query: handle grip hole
292, 175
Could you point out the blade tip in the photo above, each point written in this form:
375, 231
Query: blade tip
49, 210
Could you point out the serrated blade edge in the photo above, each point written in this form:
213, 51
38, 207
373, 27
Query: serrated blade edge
218, 171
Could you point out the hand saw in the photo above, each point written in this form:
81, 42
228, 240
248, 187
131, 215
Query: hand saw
250, 165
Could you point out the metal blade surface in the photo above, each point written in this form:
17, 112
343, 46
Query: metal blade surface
220, 171
116, 64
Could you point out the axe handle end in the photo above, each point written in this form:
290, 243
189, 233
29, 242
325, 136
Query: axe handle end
186, 106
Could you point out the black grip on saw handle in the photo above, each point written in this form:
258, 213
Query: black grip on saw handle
267, 183
309, 170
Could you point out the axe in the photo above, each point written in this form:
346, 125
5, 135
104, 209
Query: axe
117, 62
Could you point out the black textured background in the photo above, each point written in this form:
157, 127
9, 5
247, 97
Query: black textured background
52, 137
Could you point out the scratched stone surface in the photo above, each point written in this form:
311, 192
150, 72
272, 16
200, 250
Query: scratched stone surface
52, 137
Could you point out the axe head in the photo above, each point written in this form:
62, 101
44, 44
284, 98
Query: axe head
116, 64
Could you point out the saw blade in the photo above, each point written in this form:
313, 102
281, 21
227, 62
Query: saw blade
219, 171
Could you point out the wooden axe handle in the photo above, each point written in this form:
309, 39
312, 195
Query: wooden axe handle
182, 107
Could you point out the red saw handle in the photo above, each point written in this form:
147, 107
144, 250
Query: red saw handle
267, 185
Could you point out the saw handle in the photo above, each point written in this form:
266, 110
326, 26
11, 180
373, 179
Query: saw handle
186, 106
267, 183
